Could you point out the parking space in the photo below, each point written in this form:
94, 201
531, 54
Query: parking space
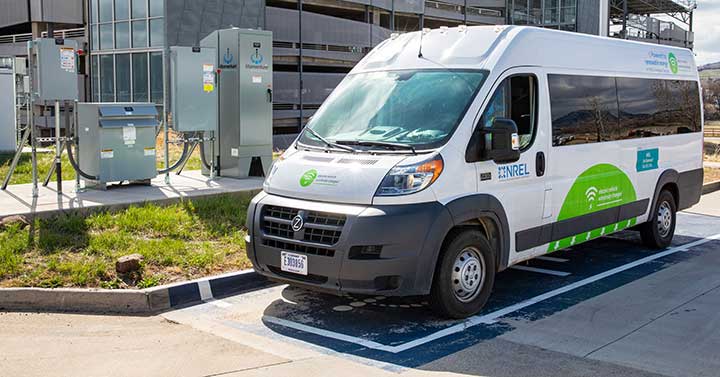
403, 332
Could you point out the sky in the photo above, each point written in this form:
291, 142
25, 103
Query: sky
706, 26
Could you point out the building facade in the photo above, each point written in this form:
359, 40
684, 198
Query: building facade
316, 42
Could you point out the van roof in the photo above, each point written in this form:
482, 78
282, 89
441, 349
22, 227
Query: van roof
502, 47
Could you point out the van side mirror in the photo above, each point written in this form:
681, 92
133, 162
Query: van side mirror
499, 143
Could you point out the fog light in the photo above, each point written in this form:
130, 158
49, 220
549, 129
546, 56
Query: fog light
366, 252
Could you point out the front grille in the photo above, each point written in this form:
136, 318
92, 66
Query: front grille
313, 250
320, 232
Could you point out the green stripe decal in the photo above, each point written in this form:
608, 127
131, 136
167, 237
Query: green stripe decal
601, 187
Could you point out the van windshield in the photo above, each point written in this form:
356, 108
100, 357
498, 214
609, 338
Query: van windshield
383, 110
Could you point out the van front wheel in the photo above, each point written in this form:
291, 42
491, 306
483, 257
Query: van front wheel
464, 277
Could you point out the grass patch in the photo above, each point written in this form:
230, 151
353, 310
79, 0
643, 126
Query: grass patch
712, 175
181, 241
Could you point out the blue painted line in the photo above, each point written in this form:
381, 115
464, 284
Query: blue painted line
184, 294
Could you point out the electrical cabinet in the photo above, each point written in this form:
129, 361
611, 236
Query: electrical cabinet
116, 141
194, 91
243, 145
54, 65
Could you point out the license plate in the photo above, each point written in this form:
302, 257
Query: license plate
295, 263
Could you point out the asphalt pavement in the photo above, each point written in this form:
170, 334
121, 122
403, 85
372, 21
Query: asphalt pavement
610, 307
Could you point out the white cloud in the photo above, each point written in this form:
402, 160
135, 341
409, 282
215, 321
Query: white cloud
706, 26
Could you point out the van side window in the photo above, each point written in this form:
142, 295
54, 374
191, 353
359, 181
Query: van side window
657, 107
515, 99
593, 109
584, 109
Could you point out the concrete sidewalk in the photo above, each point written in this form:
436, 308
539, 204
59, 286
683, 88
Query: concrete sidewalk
18, 200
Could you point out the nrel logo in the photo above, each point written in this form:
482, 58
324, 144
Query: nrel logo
506, 172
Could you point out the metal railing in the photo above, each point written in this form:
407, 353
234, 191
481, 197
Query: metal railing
21, 38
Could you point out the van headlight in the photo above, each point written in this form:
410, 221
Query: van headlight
409, 179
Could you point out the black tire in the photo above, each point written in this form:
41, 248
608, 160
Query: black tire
474, 250
659, 230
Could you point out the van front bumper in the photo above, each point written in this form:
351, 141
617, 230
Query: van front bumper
341, 243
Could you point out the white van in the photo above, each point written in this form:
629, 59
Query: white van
448, 155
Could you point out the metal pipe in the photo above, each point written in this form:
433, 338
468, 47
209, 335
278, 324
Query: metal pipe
16, 159
166, 113
300, 62
31, 121
58, 148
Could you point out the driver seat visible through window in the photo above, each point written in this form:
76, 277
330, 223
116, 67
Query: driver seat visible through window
515, 98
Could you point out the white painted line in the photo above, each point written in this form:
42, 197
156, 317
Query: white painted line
329, 334
490, 317
205, 290
553, 259
541, 270
218, 303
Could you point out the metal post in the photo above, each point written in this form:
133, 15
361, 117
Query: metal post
625, 15
166, 91
31, 121
212, 153
58, 148
300, 63
74, 134
18, 154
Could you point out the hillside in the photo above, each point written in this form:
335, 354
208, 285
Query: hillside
710, 71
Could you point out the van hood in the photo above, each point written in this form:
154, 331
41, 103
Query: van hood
329, 177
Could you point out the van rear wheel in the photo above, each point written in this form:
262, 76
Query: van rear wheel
658, 232
464, 276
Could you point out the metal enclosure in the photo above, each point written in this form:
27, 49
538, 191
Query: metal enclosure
117, 141
8, 136
244, 140
194, 89
55, 69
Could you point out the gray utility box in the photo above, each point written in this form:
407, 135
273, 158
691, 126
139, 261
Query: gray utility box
117, 141
244, 140
54, 69
194, 89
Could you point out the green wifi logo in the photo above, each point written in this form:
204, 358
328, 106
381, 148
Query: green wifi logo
308, 178
673, 63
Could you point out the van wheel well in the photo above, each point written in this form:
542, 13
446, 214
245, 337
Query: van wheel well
484, 224
673, 189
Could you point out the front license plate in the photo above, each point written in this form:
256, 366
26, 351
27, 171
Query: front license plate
295, 263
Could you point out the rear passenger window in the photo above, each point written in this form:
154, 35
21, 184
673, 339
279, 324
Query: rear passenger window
590, 109
584, 109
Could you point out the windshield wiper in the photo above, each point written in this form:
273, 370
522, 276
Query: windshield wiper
328, 143
384, 144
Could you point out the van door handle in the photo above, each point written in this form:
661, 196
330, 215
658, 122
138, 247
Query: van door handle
540, 164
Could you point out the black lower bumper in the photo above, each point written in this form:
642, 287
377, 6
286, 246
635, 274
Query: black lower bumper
409, 238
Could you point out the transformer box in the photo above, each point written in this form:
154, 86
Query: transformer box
116, 141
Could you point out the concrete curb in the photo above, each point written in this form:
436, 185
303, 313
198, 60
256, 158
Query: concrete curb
711, 187
130, 302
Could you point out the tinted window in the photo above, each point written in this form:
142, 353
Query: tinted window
587, 109
122, 77
140, 77
584, 109
644, 105
684, 106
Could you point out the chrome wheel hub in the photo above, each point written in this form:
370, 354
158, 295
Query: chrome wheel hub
468, 275
664, 219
